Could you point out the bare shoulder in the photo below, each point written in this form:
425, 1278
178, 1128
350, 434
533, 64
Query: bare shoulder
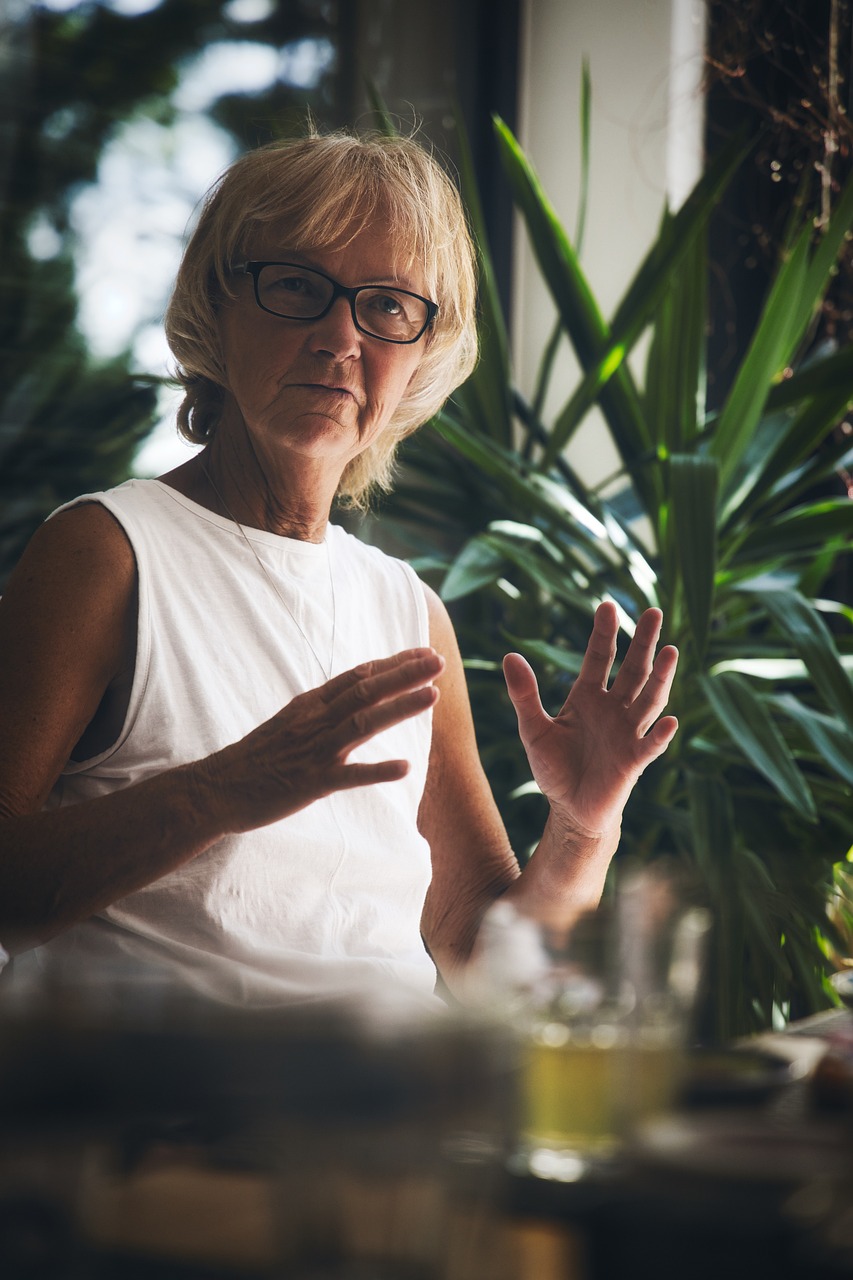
67, 632
453, 729
452, 712
81, 543
441, 632
77, 573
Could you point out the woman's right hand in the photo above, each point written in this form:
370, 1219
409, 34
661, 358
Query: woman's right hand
301, 753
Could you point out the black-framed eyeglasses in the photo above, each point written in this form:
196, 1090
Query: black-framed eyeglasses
295, 292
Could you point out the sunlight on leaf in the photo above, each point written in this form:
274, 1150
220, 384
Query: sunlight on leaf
752, 730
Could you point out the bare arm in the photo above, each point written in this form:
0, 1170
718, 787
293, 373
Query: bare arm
586, 760
67, 623
472, 861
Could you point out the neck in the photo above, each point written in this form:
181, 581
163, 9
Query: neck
250, 497
234, 483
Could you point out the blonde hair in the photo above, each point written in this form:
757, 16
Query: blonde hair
311, 188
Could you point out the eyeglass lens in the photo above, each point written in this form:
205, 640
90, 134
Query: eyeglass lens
297, 293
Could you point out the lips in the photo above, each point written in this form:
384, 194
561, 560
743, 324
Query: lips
329, 388
322, 386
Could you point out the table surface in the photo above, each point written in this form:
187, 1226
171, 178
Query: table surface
763, 1192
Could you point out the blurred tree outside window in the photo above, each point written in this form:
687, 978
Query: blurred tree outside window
782, 70
115, 117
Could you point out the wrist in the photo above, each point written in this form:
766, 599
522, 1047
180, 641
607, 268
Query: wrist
563, 828
565, 875
208, 797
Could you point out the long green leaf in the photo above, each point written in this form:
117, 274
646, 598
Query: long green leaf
558, 583
756, 889
824, 258
767, 355
492, 379
715, 846
674, 398
795, 442
494, 462
533, 494
712, 829
563, 659
811, 640
830, 739
746, 720
827, 463
379, 108
800, 531
557, 259
478, 564
583, 184
830, 373
543, 376
575, 301
677, 236
788, 312
672, 246
693, 494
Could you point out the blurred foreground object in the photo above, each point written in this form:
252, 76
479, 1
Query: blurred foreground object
339, 1140
603, 1013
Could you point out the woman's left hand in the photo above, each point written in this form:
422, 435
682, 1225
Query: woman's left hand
588, 757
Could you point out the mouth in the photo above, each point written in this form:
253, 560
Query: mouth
329, 390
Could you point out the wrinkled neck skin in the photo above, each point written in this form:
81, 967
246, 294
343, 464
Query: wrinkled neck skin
290, 496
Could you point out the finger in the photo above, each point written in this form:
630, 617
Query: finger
637, 664
348, 776
656, 741
601, 647
367, 721
372, 682
523, 689
654, 696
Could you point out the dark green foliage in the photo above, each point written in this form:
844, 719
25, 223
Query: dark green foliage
737, 544
69, 80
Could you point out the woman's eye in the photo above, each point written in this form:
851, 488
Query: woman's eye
388, 305
292, 284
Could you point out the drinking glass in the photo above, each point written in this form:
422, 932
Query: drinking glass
603, 1017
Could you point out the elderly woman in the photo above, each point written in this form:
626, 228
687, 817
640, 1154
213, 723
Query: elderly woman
236, 741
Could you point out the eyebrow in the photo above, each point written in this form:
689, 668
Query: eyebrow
305, 260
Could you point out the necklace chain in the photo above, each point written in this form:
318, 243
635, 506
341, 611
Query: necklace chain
326, 670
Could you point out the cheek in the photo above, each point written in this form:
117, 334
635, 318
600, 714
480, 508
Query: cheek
399, 380
231, 348
252, 361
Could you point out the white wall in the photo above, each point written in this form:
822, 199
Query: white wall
646, 132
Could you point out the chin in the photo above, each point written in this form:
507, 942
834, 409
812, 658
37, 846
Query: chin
316, 434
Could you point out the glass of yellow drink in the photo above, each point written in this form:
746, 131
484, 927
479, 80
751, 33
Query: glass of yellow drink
604, 1037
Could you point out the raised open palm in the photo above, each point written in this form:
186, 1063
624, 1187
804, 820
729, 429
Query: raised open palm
587, 758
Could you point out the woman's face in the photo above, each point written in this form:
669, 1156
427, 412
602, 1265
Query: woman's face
319, 388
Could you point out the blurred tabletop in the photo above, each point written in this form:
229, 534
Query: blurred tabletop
140, 1144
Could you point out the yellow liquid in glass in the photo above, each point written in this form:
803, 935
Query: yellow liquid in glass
585, 1096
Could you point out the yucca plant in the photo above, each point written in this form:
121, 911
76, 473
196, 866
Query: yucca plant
717, 518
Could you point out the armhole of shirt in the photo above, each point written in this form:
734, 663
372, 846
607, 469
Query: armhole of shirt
143, 638
419, 601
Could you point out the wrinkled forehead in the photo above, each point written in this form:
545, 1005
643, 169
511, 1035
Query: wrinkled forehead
396, 235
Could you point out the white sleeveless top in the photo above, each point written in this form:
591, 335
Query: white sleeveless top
328, 900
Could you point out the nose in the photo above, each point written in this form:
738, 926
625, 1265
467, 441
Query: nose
335, 334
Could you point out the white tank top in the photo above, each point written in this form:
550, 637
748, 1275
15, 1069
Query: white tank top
328, 900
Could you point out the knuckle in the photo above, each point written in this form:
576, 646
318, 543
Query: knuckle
360, 723
361, 694
364, 671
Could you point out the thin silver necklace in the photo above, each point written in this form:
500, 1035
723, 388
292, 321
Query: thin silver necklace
326, 670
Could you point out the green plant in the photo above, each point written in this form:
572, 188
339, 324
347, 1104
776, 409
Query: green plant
722, 519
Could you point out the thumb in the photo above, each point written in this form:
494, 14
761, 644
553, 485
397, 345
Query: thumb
522, 687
